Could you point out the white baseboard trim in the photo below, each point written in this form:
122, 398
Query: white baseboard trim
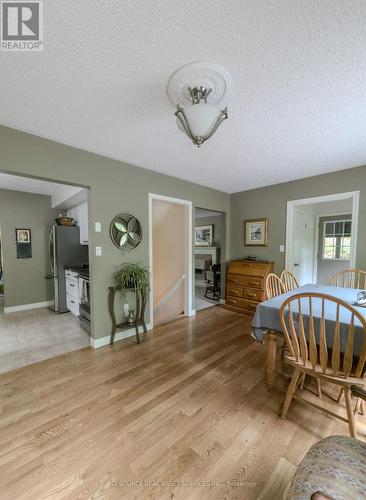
26, 307
192, 312
131, 332
222, 301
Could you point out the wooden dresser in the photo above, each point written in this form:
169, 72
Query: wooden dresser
245, 282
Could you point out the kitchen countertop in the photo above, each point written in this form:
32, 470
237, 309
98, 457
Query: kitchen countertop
79, 269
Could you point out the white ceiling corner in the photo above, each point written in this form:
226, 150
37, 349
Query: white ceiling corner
61, 194
297, 100
201, 213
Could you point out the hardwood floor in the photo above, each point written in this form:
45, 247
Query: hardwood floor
188, 404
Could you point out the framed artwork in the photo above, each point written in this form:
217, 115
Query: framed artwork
203, 236
23, 236
23, 243
256, 232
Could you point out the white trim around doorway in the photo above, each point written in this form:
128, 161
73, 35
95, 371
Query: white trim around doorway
188, 310
291, 205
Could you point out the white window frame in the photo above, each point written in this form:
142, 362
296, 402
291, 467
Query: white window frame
334, 236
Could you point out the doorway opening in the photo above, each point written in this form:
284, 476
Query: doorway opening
321, 236
1, 276
209, 257
44, 254
170, 258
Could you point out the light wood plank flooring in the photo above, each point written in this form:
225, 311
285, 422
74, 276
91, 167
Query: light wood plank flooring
188, 404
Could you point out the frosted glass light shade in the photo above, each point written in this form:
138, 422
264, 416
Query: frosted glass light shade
201, 118
200, 121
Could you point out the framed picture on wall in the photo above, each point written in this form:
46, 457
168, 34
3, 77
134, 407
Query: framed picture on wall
203, 236
256, 232
23, 236
23, 243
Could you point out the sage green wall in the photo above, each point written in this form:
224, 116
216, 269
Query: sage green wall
271, 202
24, 279
114, 187
218, 221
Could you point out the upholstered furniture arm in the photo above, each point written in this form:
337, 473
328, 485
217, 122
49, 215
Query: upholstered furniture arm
358, 392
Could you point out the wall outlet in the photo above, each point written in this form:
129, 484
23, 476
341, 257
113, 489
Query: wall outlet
98, 227
282, 248
98, 251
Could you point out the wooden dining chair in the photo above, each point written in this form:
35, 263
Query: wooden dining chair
324, 359
289, 283
274, 286
349, 278
288, 280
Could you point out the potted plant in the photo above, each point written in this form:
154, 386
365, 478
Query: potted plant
132, 277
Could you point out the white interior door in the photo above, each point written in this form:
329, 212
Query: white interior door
303, 247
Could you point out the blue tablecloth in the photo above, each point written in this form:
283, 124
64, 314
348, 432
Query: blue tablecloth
267, 314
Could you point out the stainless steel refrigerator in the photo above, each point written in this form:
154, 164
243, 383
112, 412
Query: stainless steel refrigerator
64, 250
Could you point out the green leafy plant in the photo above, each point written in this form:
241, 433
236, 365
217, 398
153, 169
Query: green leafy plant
132, 276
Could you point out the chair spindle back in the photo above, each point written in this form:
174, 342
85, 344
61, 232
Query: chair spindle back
274, 286
300, 334
288, 280
349, 278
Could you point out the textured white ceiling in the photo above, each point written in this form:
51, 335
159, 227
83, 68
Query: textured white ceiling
297, 105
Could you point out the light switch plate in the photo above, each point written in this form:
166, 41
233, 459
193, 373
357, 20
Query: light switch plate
282, 248
98, 227
98, 251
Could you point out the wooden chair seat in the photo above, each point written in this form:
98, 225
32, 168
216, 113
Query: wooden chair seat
327, 375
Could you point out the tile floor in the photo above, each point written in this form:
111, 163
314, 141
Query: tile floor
30, 336
200, 301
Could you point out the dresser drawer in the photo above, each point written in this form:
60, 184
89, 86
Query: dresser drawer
235, 291
247, 281
249, 293
248, 305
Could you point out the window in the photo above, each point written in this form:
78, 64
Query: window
337, 240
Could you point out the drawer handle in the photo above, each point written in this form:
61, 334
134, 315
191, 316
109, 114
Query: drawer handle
251, 294
254, 283
72, 301
70, 284
233, 301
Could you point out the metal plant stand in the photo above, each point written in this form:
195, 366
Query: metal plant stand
141, 301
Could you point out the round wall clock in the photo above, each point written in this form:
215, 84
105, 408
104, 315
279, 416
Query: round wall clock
125, 231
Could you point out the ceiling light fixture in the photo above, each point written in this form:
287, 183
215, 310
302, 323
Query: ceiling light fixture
201, 86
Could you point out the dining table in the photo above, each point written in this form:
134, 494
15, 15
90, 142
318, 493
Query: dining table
266, 324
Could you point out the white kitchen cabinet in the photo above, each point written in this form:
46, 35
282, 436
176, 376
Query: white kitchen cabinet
80, 215
72, 291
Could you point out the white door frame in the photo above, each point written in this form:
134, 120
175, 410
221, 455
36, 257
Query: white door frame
354, 195
188, 309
